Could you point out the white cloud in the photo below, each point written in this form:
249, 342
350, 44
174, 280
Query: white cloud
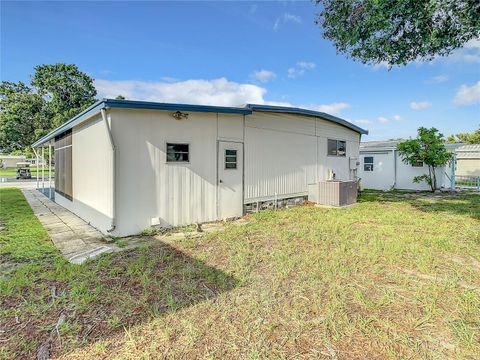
300, 69
396, 117
332, 109
363, 121
420, 105
470, 53
383, 120
286, 18
221, 92
263, 75
208, 92
439, 78
468, 95
381, 65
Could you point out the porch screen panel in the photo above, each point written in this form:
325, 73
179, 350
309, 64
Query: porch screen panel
63, 164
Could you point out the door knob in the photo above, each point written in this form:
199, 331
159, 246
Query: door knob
221, 181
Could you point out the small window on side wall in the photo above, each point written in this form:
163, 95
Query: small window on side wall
230, 159
178, 152
418, 164
368, 163
336, 147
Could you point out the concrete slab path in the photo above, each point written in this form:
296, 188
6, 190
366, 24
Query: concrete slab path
76, 239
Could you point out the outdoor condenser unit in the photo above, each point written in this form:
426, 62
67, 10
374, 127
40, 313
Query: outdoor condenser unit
333, 193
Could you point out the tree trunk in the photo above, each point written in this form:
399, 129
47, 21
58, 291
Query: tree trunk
433, 176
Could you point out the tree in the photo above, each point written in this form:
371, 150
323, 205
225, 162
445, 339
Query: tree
57, 93
428, 148
22, 118
120, 97
473, 138
66, 89
397, 32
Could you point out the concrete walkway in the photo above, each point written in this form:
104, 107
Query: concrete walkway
75, 238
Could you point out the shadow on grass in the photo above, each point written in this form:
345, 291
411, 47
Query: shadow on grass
459, 203
106, 296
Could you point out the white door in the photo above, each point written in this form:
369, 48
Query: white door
230, 179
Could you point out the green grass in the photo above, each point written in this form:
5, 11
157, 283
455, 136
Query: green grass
12, 172
397, 276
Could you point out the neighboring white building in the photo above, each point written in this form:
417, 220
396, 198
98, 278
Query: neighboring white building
10, 161
468, 160
381, 167
125, 165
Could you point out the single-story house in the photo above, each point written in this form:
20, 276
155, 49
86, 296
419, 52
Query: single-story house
10, 161
382, 168
468, 160
125, 166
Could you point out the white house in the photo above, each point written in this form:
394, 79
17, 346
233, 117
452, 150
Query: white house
10, 161
381, 167
468, 160
125, 165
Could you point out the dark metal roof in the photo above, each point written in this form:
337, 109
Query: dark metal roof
133, 104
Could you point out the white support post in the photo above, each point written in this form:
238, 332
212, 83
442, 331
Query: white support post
38, 171
50, 170
43, 169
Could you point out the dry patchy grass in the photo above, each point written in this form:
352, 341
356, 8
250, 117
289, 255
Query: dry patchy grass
393, 277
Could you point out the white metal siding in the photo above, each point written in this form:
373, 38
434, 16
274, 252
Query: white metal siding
91, 174
284, 153
149, 187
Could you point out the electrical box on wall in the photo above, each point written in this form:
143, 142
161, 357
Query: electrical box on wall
354, 163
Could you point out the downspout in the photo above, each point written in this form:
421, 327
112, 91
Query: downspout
112, 144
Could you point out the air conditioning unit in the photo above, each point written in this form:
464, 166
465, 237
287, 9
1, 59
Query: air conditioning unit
333, 193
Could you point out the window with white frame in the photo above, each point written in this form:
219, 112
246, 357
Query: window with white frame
368, 163
336, 147
178, 152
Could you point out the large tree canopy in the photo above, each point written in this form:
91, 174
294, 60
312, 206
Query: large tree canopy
66, 89
473, 138
396, 32
58, 92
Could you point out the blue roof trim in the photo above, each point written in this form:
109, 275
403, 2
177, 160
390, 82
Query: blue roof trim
130, 104
299, 111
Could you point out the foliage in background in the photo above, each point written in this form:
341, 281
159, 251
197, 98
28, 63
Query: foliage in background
397, 32
57, 92
428, 148
473, 138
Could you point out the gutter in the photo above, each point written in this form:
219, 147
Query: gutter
113, 184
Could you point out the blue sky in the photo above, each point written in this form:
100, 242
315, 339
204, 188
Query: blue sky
229, 53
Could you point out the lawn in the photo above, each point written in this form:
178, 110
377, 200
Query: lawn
12, 172
397, 276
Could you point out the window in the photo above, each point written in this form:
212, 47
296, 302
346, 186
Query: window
368, 163
336, 147
418, 164
230, 159
63, 164
177, 152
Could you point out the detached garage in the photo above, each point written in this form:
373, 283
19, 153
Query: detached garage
125, 166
